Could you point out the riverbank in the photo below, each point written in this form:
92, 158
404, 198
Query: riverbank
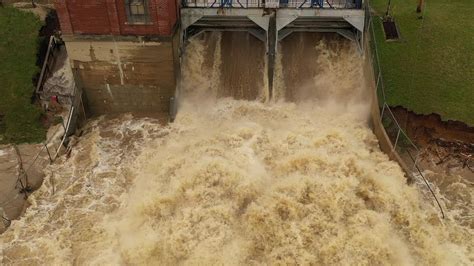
430, 69
21, 172
19, 118
446, 154
22, 165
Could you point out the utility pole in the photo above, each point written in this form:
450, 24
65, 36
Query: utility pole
419, 8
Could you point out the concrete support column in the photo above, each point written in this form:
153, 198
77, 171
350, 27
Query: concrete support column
272, 35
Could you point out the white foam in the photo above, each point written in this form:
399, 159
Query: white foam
235, 182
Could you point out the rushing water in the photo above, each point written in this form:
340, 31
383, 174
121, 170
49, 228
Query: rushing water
237, 182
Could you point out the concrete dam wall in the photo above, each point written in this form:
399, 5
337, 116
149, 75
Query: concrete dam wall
125, 74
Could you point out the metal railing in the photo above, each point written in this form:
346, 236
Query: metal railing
22, 182
402, 144
52, 53
224, 3
335, 4
50, 150
49, 61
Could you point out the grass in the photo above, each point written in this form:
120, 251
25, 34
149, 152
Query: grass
19, 119
431, 69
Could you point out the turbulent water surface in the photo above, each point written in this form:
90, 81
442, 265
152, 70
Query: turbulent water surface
238, 182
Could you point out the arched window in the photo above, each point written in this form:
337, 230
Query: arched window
137, 11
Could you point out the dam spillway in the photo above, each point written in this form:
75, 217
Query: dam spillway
273, 21
299, 179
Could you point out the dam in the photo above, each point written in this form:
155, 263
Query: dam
257, 168
129, 60
272, 21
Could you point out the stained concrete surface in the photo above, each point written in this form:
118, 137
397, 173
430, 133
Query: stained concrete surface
124, 76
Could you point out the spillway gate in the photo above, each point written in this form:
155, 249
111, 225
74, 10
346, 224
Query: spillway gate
271, 21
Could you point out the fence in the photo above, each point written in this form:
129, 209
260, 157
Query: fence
49, 61
347, 4
402, 144
51, 148
334, 4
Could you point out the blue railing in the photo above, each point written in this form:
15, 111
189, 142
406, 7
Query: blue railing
334, 4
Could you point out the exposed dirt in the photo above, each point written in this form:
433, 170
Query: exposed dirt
424, 128
450, 145
447, 156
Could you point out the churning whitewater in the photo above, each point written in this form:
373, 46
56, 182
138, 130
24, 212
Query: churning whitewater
237, 182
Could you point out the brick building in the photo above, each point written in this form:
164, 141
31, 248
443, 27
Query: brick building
124, 53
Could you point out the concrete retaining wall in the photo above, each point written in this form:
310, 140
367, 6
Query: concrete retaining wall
376, 121
124, 74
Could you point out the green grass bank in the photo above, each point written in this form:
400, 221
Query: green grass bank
431, 68
19, 119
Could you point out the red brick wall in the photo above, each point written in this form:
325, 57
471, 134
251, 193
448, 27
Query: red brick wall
63, 15
88, 17
108, 17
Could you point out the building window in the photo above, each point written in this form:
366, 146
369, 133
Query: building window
137, 11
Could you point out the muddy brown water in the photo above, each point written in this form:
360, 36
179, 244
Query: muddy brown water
243, 65
310, 65
236, 63
299, 65
237, 182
